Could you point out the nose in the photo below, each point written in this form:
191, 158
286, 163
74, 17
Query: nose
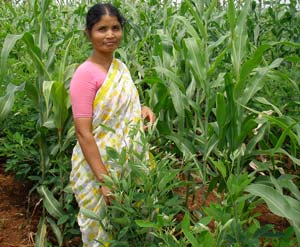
110, 34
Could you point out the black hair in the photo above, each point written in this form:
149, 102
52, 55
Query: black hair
100, 9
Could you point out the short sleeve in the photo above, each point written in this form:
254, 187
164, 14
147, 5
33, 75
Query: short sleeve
84, 85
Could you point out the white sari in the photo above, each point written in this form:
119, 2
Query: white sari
116, 108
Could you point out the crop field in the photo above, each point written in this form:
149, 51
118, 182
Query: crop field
222, 77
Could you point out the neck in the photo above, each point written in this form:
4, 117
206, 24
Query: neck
104, 60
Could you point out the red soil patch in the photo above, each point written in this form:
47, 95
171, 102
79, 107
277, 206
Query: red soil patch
19, 216
16, 227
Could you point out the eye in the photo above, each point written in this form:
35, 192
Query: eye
116, 27
102, 29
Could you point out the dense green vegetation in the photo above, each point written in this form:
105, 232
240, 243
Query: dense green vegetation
224, 82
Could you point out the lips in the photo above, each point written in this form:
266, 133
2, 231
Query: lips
110, 43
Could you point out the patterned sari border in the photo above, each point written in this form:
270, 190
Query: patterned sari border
106, 85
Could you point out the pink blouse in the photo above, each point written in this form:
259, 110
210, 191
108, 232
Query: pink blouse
84, 85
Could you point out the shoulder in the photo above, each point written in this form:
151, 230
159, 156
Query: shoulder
83, 69
121, 64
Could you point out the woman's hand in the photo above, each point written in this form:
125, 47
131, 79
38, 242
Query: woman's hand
106, 193
148, 115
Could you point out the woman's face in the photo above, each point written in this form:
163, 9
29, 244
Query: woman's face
106, 34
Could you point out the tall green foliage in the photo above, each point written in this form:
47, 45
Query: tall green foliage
222, 78
49, 94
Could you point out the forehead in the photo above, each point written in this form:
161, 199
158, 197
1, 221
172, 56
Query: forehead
107, 20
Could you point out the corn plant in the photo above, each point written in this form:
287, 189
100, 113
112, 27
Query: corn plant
271, 190
211, 77
49, 94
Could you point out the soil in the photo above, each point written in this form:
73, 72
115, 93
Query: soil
19, 217
17, 226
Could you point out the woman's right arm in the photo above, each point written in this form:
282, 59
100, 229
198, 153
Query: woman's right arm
83, 129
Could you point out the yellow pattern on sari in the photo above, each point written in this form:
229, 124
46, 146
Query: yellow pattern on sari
116, 107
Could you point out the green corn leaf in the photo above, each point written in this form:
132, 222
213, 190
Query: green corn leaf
221, 113
172, 76
56, 231
279, 204
239, 39
184, 145
64, 62
196, 16
32, 92
278, 151
242, 18
286, 181
248, 67
254, 61
283, 137
293, 158
238, 52
43, 38
287, 43
47, 87
210, 9
190, 29
40, 238
253, 86
51, 204
247, 130
231, 109
177, 96
51, 57
281, 76
7, 101
69, 72
35, 53
264, 101
284, 122
69, 137
178, 99
9, 43
221, 116
231, 15
216, 44
218, 61
60, 99
210, 145
44, 6
196, 59
43, 35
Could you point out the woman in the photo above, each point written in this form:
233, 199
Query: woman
102, 95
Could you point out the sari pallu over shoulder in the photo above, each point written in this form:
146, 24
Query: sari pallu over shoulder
116, 110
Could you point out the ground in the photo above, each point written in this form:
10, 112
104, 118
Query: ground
17, 221
19, 217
